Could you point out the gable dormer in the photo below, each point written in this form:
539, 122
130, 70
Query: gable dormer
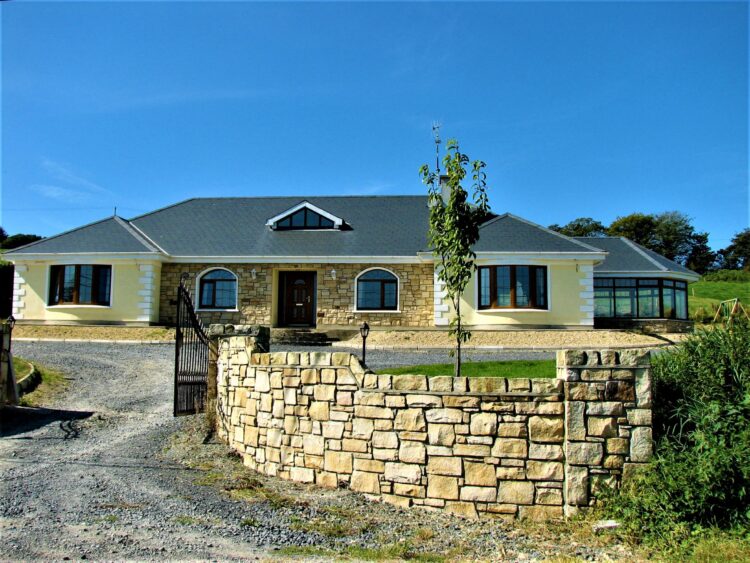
304, 216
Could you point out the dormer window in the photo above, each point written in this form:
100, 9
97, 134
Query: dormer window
304, 216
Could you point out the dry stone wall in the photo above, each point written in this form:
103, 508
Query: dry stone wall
515, 447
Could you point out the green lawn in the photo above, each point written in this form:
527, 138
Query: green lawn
510, 369
708, 294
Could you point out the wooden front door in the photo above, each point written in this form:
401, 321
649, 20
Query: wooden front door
297, 298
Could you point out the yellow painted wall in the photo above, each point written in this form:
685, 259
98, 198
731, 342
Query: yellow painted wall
127, 282
564, 296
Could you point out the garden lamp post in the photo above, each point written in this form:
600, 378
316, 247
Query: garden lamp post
364, 330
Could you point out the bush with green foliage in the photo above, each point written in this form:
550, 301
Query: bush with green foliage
699, 476
727, 275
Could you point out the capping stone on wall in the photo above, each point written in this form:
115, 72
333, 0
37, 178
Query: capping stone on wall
532, 448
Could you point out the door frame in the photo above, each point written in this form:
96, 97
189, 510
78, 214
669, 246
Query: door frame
282, 287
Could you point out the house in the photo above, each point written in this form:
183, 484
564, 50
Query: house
333, 263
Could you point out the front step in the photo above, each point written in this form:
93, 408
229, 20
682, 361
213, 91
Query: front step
300, 337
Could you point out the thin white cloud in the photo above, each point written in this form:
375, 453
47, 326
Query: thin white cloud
63, 173
60, 193
373, 188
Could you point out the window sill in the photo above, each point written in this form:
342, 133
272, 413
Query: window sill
77, 306
217, 310
376, 311
512, 310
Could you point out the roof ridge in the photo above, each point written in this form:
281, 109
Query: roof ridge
640, 250
139, 235
163, 208
58, 235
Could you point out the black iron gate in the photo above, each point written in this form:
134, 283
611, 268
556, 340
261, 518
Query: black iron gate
191, 356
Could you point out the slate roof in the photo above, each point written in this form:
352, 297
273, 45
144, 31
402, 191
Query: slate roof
626, 256
509, 233
108, 235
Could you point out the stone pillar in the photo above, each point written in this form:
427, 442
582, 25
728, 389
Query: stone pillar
607, 419
251, 338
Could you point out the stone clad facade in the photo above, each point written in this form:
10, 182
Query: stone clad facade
335, 306
519, 447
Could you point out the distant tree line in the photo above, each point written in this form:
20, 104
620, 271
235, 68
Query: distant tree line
14, 241
671, 234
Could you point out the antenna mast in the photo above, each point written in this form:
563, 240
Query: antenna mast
436, 135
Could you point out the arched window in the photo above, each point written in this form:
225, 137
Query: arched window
377, 290
217, 290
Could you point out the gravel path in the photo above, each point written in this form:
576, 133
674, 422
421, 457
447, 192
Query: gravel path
93, 481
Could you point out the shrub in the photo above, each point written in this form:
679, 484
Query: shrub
700, 473
727, 275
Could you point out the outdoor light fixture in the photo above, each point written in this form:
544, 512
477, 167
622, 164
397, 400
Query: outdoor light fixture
364, 330
12, 322
333, 274
253, 273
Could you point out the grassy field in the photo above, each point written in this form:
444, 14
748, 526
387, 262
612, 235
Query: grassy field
509, 369
708, 294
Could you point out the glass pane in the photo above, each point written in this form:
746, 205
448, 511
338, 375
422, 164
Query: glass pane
625, 301
680, 284
86, 284
648, 302
668, 283
624, 282
298, 219
681, 304
603, 282
668, 301
368, 295
69, 282
603, 302
503, 286
484, 287
326, 223
219, 275
643, 283
103, 285
224, 294
54, 281
284, 223
523, 286
390, 295
313, 219
378, 275
207, 294
541, 287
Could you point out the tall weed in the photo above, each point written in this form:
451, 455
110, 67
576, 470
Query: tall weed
700, 474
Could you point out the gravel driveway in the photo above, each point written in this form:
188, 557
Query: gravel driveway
90, 481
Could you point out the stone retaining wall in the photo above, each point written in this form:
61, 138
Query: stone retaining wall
517, 447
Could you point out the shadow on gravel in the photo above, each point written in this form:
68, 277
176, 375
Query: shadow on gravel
17, 420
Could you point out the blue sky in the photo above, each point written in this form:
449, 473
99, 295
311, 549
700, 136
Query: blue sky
579, 109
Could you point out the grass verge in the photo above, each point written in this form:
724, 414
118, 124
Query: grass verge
21, 367
510, 369
52, 386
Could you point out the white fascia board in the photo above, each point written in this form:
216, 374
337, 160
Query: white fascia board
651, 274
510, 257
86, 257
337, 221
296, 259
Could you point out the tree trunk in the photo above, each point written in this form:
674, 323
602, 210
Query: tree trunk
457, 371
